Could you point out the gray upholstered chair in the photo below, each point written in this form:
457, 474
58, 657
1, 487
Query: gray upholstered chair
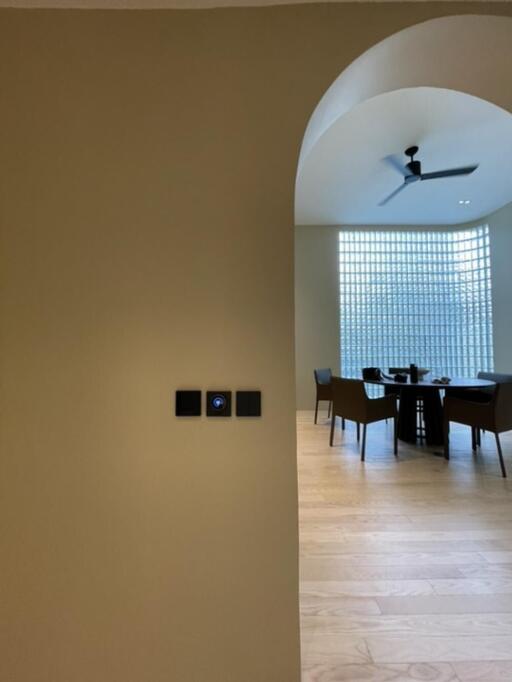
350, 401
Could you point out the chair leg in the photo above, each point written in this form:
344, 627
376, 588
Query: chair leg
316, 411
363, 447
333, 421
329, 410
446, 440
500, 455
343, 423
473, 438
358, 432
395, 436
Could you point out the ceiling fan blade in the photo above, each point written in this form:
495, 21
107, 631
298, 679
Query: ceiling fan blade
449, 173
394, 162
392, 195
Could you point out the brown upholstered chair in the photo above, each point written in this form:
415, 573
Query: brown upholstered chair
323, 389
495, 415
350, 401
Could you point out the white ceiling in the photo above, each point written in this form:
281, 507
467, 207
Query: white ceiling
171, 4
345, 174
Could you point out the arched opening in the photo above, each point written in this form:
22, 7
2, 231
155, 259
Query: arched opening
420, 278
441, 85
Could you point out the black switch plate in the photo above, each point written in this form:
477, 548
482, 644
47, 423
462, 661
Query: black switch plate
248, 403
188, 403
218, 404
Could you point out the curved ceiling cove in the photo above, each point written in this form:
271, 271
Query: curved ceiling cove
441, 85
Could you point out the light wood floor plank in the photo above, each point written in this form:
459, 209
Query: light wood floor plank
338, 606
334, 649
472, 586
436, 625
487, 571
335, 569
417, 672
484, 671
411, 648
311, 589
467, 603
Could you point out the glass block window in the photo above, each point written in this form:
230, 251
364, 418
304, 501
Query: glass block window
422, 297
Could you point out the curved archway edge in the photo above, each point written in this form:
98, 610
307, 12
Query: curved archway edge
470, 54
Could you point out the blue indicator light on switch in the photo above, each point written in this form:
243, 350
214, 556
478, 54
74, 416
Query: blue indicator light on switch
218, 403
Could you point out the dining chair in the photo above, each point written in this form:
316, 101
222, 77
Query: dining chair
350, 401
323, 389
480, 395
495, 416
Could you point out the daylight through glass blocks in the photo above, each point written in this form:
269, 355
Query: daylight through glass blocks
422, 297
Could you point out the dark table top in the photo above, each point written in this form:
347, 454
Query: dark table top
456, 382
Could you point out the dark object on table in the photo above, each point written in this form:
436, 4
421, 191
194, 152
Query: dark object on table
350, 401
422, 371
372, 374
494, 415
414, 374
443, 381
323, 388
401, 378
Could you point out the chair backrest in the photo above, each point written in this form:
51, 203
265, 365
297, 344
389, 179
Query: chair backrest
323, 376
349, 398
496, 377
323, 384
502, 401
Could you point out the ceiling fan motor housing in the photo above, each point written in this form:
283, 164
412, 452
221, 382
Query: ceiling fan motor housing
414, 167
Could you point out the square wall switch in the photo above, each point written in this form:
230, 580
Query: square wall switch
248, 403
188, 403
218, 404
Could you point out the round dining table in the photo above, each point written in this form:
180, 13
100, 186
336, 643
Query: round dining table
429, 393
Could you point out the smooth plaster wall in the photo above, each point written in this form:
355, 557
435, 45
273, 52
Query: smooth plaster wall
500, 229
317, 318
317, 310
146, 207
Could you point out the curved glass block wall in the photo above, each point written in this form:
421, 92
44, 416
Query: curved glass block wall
422, 297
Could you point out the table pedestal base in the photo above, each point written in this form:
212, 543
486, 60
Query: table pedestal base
432, 415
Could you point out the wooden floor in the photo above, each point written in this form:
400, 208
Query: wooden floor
406, 565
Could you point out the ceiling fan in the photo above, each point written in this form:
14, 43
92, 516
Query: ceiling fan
412, 172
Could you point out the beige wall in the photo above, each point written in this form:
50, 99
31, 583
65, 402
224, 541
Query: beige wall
317, 297
317, 308
500, 229
146, 197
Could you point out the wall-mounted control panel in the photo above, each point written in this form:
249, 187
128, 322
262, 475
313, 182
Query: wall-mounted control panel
218, 403
188, 403
248, 403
